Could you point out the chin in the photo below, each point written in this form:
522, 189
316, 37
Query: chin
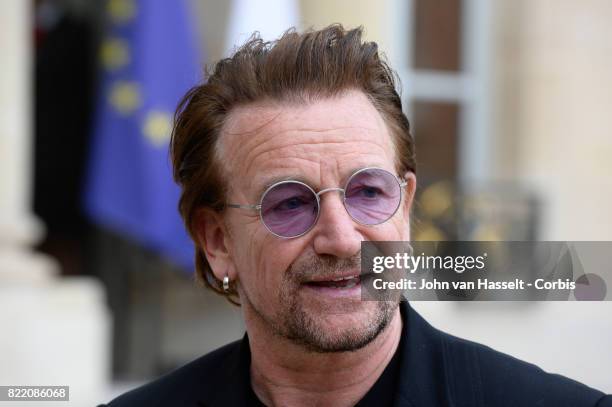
340, 329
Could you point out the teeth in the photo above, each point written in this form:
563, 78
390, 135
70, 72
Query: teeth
343, 278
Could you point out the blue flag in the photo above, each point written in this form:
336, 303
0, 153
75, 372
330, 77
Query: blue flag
149, 60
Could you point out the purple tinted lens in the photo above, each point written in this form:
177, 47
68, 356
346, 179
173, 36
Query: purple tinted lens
289, 209
372, 196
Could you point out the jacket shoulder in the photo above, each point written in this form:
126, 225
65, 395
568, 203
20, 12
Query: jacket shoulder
508, 381
181, 386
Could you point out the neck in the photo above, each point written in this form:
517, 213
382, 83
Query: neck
284, 373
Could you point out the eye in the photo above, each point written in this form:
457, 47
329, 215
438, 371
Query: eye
370, 192
365, 191
290, 204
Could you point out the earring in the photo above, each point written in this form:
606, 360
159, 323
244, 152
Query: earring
226, 283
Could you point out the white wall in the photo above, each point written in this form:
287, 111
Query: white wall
552, 93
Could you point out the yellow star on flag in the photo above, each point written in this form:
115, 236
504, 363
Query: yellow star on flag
125, 97
157, 127
121, 11
114, 53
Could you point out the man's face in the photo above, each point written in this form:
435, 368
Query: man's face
321, 144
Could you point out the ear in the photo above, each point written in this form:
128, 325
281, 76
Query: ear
409, 190
213, 239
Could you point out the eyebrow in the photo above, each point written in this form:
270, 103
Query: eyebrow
268, 182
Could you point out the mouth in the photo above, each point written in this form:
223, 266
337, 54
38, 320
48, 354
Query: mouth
338, 282
335, 287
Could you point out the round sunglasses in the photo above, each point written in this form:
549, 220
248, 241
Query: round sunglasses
290, 209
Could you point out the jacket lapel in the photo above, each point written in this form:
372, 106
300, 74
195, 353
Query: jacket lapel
432, 372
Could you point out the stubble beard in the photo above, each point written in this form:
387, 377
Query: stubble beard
293, 320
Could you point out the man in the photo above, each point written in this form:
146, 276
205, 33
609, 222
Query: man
289, 156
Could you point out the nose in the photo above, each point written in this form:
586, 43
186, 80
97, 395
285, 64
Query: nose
335, 232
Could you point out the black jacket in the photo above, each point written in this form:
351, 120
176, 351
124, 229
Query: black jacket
436, 369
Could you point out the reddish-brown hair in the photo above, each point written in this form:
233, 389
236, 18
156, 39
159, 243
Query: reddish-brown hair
296, 68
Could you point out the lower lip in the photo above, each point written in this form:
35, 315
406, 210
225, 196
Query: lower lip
335, 292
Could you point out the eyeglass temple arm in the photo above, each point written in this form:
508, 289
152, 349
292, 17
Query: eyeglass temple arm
254, 207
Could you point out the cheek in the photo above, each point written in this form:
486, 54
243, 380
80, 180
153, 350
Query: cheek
262, 263
396, 229
275, 257
402, 223
244, 238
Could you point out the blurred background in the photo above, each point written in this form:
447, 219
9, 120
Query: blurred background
510, 104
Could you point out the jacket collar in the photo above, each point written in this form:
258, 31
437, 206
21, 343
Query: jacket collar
421, 381
433, 371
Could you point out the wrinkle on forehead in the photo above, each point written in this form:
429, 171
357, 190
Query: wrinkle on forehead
271, 133
307, 148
